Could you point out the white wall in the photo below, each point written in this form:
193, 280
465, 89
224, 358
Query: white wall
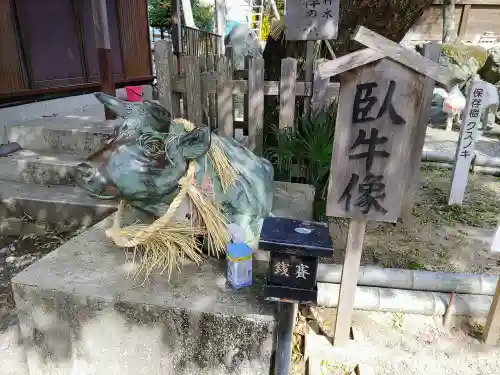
238, 10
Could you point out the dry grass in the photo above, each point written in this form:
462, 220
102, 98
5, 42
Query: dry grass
166, 249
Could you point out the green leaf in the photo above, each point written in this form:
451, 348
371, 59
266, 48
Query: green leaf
308, 148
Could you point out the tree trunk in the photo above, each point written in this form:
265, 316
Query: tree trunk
449, 30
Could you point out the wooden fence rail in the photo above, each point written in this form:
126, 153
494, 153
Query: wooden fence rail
206, 85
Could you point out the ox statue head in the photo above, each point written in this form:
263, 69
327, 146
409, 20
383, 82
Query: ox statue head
145, 157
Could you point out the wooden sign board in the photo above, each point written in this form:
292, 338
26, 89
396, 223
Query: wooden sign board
312, 19
378, 111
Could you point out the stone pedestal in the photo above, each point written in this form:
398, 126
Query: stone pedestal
81, 313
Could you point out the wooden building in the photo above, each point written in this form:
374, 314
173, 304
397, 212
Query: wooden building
473, 18
48, 47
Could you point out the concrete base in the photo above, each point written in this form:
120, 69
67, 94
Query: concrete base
80, 312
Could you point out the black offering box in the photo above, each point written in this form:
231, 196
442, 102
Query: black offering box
295, 247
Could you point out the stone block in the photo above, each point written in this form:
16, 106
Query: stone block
81, 312
70, 134
293, 201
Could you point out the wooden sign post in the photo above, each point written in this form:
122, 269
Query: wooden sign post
491, 332
482, 95
381, 95
312, 19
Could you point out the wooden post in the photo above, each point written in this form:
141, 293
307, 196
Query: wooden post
348, 282
220, 23
431, 51
246, 67
319, 97
176, 28
176, 96
191, 68
309, 73
464, 20
212, 111
256, 105
495, 243
491, 331
103, 44
203, 59
287, 92
224, 97
163, 73
449, 122
482, 94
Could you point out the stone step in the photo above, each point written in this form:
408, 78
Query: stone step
38, 167
52, 204
62, 134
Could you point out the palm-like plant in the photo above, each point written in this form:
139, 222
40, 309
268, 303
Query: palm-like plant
304, 153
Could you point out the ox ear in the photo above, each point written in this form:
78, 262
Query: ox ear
158, 117
115, 105
195, 143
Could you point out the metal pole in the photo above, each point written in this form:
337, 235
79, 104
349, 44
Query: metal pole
103, 44
287, 313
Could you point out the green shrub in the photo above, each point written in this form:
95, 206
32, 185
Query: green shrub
303, 154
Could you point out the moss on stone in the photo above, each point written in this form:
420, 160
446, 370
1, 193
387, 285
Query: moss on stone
461, 53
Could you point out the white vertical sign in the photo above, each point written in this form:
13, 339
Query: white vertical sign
482, 95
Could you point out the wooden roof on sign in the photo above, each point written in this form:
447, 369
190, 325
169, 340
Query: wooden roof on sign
378, 48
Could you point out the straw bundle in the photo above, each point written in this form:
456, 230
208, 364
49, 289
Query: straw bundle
163, 245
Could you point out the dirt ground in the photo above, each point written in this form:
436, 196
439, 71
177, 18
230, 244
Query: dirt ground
403, 344
437, 237
17, 253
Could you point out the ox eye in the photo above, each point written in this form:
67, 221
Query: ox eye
152, 146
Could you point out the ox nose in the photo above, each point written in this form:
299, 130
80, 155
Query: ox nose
95, 181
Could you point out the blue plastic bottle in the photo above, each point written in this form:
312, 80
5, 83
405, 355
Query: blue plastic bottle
239, 259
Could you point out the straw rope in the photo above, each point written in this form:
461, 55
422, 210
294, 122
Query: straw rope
167, 241
115, 231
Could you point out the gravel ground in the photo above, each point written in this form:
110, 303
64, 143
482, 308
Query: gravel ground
437, 139
403, 344
17, 253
